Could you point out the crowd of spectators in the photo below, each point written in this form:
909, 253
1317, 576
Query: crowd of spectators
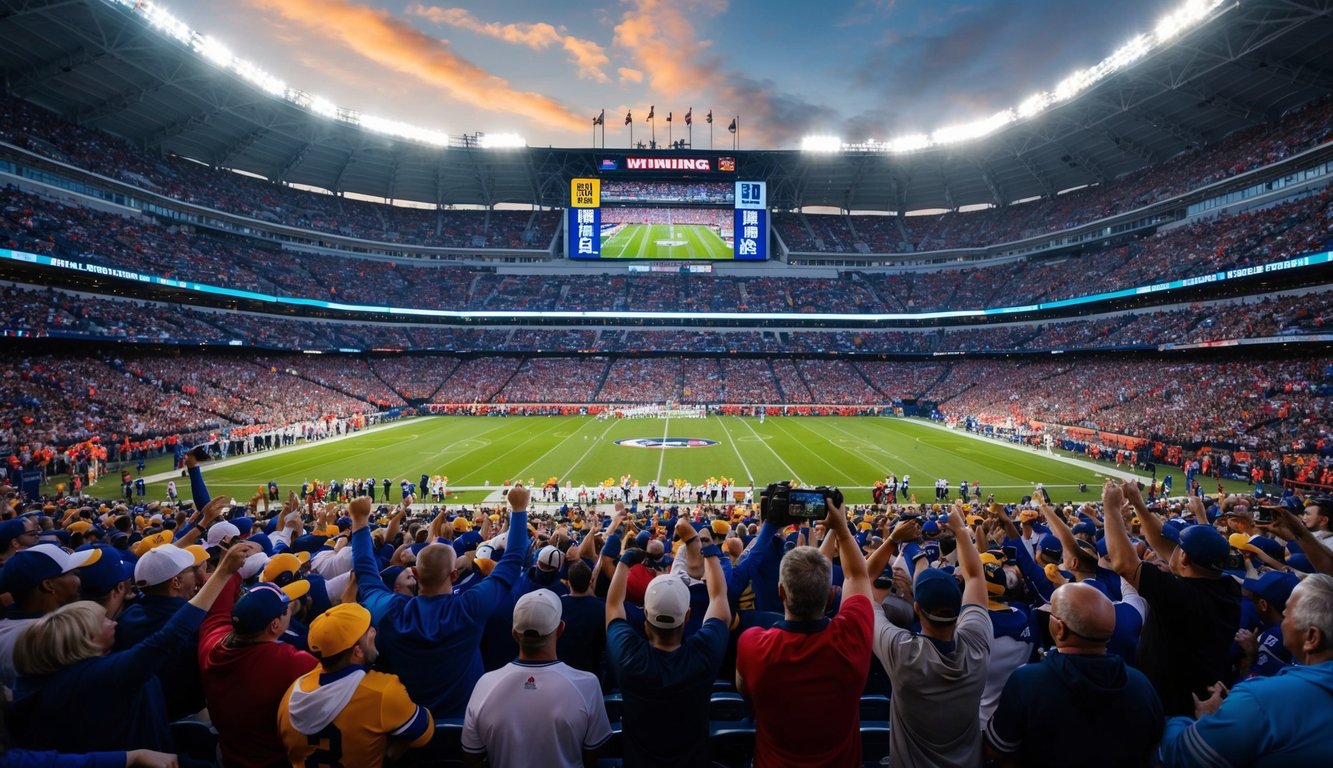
53, 313
39, 131
332, 631
1276, 403
1198, 167
38, 225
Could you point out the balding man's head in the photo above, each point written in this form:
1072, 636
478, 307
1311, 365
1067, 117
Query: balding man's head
655, 549
1087, 616
435, 566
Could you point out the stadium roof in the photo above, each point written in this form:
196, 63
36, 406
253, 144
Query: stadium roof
100, 65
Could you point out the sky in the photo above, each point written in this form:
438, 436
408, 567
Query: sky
857, 69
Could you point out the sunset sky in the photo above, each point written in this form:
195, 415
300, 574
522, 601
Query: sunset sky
857, 69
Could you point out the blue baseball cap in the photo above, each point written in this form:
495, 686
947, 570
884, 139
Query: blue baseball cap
1050, 545
1085, 528
938, 594
264, 603
1274, 586
30, 567
100, 577
1205, 546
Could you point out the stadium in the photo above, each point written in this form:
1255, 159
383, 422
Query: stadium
1128, 279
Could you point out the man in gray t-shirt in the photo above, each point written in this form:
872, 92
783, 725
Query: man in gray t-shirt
938, 675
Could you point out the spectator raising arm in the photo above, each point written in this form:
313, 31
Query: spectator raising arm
1119, 549
969, 560
1151, 523
856, 580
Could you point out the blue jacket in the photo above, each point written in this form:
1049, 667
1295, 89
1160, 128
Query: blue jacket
21, 758
180, 674
433, 643
72, 709
1282, 720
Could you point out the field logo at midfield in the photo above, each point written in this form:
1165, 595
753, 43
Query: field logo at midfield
666, 442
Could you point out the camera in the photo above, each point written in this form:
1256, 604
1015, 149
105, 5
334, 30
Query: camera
200, 452
783, 505
1235, 562
1265, 515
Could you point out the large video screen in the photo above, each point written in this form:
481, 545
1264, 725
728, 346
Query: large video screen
666, 220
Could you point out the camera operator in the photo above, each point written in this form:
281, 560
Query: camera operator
809, 662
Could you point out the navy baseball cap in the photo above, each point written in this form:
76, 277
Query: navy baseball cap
102, 575
1274, 586
264, 603
30, 567
937, 592
1050, 545
1205, 546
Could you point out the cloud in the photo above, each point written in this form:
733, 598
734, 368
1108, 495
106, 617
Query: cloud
379, 37
589, 57
628, 75
660, 37
965, 61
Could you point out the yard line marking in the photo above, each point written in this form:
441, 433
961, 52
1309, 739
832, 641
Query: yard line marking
569, 437
666, 429
732, 443
770, 450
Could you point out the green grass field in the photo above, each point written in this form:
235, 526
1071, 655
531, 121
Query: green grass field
660, 241
478, 454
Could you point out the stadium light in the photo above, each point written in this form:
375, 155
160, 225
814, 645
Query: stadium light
821, 144
1189, 15
216, 53
501, 141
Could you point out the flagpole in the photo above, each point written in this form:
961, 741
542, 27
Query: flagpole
689, 127
669, 146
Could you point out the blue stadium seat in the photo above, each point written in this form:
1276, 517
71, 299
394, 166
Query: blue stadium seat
195, 739
615, 706
724, 686
874, 708
728, 707
874, 743
731, 745
612, 754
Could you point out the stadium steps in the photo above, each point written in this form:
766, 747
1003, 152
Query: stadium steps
888, 301
805, 222
601, 380
874, 387
777, 381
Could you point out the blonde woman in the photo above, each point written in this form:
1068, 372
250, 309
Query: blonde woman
67, 675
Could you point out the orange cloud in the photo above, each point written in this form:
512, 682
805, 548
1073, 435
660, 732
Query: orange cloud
628, 75
588, 56
661, 39
397, 45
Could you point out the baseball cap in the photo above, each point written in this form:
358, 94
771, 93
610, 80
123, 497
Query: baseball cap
282, 568
162, 563
152, 542
462, 524
1274, 586
337, 629
938, 594
79, 526
220, 532
30, 567
550, 558
1050, 545
264, 603
1085, 527
537, 614
98, 578
1241, 511
1269, 546
1205, 546
931, 528
10, 530
993, 569
666, 601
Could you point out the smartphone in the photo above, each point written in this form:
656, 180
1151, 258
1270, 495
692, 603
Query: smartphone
200, 452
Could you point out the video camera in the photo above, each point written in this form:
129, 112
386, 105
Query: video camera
784, 505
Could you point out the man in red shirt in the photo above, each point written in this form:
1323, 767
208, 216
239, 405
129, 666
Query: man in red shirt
246, 672
809, 663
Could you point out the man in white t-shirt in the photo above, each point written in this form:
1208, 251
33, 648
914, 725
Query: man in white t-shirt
536, 710
938, 675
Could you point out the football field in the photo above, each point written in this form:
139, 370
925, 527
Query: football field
479, 454
665, 241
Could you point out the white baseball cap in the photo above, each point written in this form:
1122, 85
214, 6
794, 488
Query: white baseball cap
666, 601
222, 531
550, 557
537, 614
166, 562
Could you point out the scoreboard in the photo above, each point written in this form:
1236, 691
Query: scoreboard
667, 207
